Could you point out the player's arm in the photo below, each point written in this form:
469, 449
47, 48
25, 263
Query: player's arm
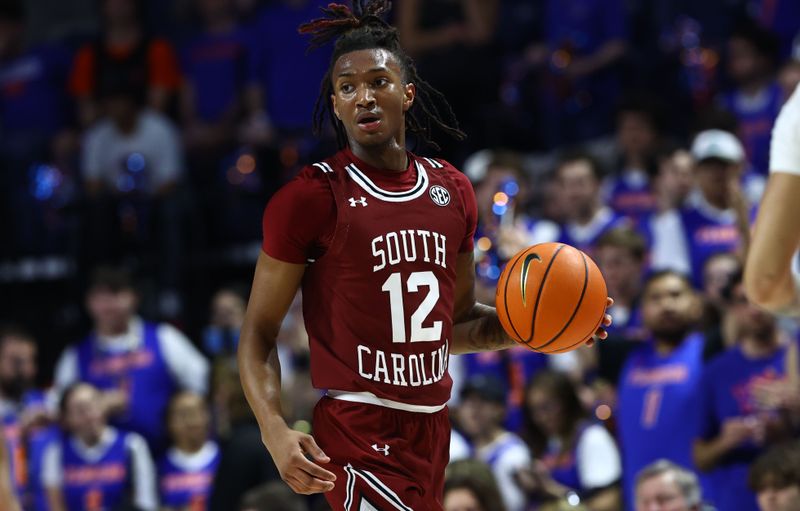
768, 277
274, 286
476, 327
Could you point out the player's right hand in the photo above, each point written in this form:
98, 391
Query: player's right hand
291, 452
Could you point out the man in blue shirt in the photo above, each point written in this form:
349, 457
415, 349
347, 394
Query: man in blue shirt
714, 216
659, 382
734, 422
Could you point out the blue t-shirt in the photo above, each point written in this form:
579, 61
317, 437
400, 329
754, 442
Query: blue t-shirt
630, 194
756, 117
33, 93
142, 374
217, 66
96, 485
290, 77
658, 407
184, 483
707, 236
727, 392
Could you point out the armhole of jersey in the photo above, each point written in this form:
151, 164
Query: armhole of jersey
342, 225
440, 170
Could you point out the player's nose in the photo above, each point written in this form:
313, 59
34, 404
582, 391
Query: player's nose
365, 97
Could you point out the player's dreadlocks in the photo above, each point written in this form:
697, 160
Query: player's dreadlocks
361, 28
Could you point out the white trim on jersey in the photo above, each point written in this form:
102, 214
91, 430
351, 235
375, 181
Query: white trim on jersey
433, 163
379, 193
324, 167
371, 399
376, 484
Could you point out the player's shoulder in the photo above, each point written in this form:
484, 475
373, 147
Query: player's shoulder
443, 167
312, 183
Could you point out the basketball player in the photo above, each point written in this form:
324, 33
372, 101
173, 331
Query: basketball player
381, 240
768, 272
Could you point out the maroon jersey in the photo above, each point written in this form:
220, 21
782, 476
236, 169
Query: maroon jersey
379, 290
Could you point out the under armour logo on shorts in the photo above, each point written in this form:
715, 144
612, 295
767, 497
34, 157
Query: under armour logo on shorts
384, 449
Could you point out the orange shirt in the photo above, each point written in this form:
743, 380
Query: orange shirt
163, 69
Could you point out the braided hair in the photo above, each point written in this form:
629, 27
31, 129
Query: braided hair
361, 28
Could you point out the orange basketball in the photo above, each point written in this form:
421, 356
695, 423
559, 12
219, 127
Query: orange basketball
551, 298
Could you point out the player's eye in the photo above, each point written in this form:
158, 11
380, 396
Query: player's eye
346, 88
380, 82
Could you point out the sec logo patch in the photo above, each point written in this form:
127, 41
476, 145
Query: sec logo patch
439, 195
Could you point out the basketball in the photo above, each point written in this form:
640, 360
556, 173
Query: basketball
551, 298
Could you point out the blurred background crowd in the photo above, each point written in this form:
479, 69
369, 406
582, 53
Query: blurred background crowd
141, 139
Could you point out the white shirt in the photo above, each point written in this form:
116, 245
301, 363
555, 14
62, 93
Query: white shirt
508, 454
143, 474
459, 447
670, 248
192, 462
154, 148
598, 460
583, 233
187, 366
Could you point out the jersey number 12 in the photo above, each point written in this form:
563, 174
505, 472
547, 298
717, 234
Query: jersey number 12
419, 333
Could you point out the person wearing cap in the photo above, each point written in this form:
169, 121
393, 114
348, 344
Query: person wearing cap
771, 279
480, 417
136, 364
714, 219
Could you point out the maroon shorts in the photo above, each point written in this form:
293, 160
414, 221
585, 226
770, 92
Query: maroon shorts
384, 459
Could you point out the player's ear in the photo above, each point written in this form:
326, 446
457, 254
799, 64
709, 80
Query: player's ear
410, 93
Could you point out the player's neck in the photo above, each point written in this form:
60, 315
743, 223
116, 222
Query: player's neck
390, 156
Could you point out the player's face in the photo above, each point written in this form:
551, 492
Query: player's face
623, 273
669, 306
784, 499
84, 416
370, 96
660, 493
111, 310
461, 499
579, 187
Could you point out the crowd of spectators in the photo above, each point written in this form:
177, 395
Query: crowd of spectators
141, 139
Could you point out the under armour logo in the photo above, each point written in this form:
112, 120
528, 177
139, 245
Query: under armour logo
384, 449
362, 201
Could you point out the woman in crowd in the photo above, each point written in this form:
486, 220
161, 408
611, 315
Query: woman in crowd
577, 459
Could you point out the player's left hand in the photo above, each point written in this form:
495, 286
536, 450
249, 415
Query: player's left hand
601, 332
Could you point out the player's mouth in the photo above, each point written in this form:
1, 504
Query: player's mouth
368, 122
